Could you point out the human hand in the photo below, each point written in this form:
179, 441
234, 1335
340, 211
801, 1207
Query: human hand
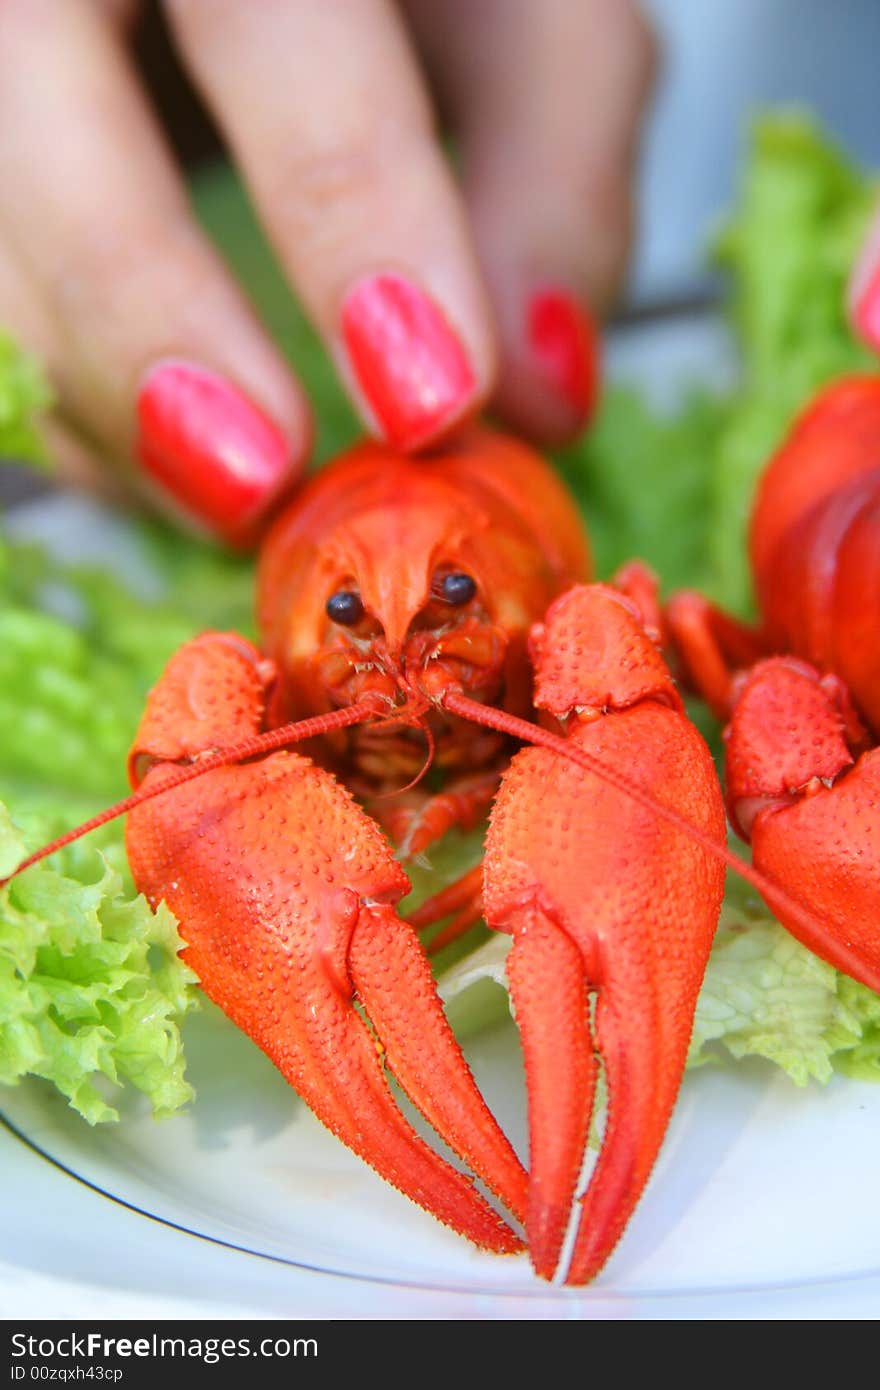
864, 289
434, 294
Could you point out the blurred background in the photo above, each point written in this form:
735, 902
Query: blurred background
722, 59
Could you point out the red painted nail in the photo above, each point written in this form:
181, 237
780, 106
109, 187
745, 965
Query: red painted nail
207, 444
565, 346
407, 360
866, 314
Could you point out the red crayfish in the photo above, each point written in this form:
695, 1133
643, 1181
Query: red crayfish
438, 610
801, 691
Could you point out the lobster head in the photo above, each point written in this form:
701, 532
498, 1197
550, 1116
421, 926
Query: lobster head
395, 579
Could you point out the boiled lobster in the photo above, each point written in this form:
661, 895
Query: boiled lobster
800, 691
437, 611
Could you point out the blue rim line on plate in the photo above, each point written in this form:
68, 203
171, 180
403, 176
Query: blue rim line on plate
595, 1293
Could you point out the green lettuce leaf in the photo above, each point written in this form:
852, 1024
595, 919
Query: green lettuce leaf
766, 995
788, 250
636, 468
92, 988
72, 692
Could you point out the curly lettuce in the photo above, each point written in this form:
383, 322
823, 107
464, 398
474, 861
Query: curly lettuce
92, 987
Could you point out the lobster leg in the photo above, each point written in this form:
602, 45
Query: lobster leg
415, 820
710, 645
286, 936
608, 900
461, 902
464, 894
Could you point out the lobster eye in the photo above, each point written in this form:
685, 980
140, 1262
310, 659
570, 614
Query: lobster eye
345, 607
457, 588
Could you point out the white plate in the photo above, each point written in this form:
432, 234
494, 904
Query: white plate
763, 1194
763, 1202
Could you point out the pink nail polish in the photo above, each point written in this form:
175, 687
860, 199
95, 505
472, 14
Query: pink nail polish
207, 444
866, 314
408, 361
565, 346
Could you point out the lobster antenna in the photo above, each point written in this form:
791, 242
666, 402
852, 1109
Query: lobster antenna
507, 723
465, 708
251, 747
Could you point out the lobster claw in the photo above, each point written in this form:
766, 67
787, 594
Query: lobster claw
609, 902
804, 787
286, 895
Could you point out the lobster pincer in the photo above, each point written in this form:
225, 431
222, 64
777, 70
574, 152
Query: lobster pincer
607, 900
803, 785
289, 892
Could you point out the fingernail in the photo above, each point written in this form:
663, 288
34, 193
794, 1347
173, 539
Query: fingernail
406, 358
207, 445
564, 343
866, 314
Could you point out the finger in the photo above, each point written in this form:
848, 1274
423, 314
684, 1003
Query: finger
24, 314
77, 464
143, 310
547, 99
340, 154
864, 288
123, 14
26, 319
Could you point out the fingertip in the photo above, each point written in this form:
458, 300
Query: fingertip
551, 368
407, 362
358, 198
76, 464
562, 339
863, 288
864, 309
206, 447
